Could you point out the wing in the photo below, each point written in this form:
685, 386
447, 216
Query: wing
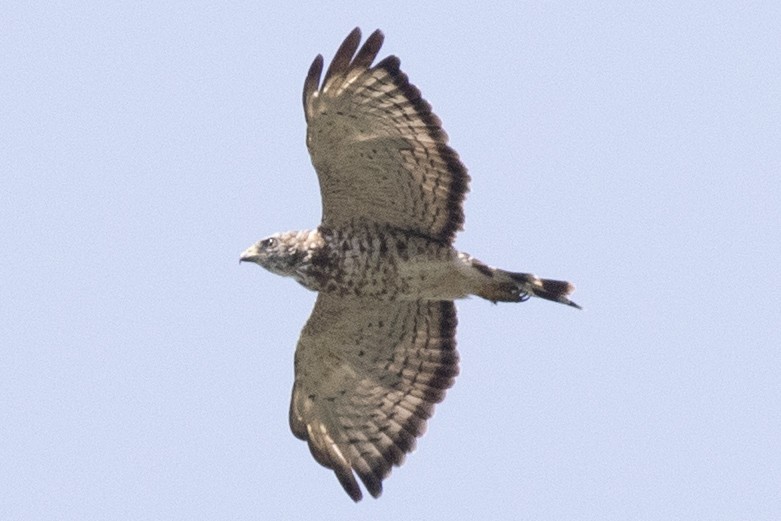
368, 374
380, 153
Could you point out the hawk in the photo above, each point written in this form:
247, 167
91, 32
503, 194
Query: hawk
379, 350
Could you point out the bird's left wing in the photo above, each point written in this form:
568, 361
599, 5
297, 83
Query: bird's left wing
367, 376
380, 153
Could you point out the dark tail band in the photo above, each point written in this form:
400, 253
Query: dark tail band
554, 290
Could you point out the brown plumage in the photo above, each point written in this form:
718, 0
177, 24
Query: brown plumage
379, 350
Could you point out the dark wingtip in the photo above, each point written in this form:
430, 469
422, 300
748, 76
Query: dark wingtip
312, 82
350, 485
368, 51
343, 55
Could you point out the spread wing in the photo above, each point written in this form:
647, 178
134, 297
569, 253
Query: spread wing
368, 374
380, 153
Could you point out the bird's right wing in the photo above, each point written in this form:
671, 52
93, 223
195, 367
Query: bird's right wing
367, 376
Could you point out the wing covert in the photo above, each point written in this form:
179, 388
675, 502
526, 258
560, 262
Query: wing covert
380, 153
368, 374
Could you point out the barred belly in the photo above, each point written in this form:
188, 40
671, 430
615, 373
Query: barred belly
386, 264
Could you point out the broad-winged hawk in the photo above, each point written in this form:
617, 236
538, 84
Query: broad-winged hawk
379, 349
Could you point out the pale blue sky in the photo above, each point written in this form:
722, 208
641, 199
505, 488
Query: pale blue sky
635, 150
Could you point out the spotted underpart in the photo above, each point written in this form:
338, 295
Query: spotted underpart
379, 349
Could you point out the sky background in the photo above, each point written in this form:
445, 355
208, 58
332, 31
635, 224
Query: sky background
632, 149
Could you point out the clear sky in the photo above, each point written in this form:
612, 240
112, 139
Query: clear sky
634, 150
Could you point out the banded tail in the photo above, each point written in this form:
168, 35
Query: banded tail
506, 286
549, 289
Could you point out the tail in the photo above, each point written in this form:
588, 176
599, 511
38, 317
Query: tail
554, 290
519, 287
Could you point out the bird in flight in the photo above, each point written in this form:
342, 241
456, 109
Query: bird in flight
379, 350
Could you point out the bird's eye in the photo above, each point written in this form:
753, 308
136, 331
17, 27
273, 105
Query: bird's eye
268, 243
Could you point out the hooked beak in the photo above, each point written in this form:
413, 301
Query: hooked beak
249, 255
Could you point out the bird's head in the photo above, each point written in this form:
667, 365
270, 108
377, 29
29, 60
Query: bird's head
281, 253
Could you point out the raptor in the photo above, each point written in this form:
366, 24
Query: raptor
379, 350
